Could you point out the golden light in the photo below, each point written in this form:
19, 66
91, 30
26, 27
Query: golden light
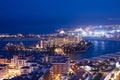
71, 71
59, 51
57, 77
11, 73
37, 46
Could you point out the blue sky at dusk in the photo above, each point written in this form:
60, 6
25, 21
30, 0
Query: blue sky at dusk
44, 16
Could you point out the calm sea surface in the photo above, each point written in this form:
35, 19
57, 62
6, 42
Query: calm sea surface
100, 47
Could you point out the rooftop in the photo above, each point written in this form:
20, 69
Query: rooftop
60, 60
25, 67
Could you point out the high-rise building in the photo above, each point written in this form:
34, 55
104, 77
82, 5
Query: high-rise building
60, 67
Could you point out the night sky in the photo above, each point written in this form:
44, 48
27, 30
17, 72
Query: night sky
44, 16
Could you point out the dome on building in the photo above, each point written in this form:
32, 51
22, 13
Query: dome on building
62, 32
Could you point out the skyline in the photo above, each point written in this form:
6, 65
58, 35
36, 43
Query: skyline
59, 40
36, 16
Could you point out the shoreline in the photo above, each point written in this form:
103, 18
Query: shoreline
43, 50
103, 39
109, 55
35, 39
81, 53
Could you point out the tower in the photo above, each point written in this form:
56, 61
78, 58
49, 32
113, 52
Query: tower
41, 44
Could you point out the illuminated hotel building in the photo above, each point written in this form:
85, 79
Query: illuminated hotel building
60, 67
60, 40
3, 60
3, 70
19, 61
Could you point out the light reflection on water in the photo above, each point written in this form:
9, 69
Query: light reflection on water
98, 48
